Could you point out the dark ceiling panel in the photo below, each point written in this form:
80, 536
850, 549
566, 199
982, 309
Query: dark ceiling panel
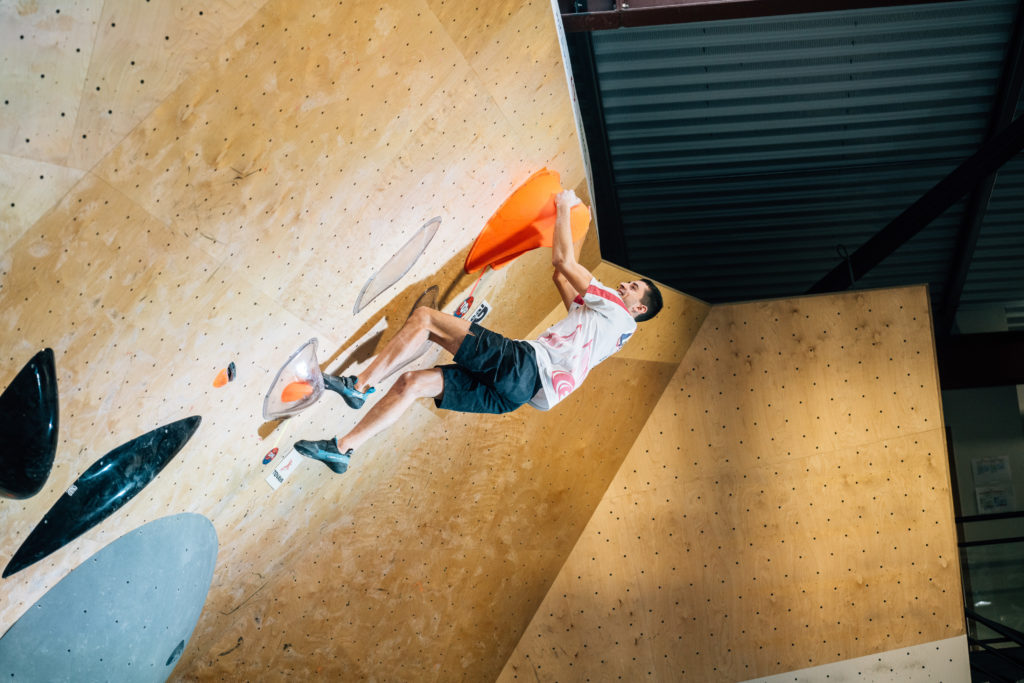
745, 152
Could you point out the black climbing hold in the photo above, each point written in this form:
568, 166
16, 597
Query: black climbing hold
103, 489
28, 428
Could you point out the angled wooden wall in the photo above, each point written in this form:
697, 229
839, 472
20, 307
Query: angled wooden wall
223, 198
787, 505
437, 567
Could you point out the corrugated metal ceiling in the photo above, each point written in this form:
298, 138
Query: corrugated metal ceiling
747, 154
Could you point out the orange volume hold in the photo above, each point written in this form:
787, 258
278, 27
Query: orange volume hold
296, 391
525, 221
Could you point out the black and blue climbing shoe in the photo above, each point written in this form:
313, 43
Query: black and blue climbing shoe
326, 452
346, 386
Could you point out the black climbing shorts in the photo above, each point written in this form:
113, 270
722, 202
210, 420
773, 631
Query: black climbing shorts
491, 374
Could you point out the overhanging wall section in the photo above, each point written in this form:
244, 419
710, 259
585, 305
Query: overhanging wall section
238, 217
439, 565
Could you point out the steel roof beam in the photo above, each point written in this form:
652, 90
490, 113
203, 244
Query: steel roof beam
1004, 105
965, 177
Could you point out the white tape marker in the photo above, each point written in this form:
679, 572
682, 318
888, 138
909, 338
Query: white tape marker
284, 469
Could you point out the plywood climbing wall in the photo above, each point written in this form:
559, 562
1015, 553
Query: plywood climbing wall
787, 505
226, 176
437, 567
79, 75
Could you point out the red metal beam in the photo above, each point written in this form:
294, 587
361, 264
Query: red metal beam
629, 13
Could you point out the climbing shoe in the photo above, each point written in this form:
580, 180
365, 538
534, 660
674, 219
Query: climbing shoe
346, 386
326, 452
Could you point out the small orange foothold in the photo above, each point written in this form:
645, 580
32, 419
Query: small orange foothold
224, 376
296, 391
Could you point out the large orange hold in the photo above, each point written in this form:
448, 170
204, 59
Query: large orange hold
525, 221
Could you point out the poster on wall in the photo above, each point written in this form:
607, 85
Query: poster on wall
993, 484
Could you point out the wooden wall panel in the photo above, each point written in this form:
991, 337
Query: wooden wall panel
77, 76
786, 505
45, 49
439, 567
28, 189
142, 52
498, 41
238, 219
364, 179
